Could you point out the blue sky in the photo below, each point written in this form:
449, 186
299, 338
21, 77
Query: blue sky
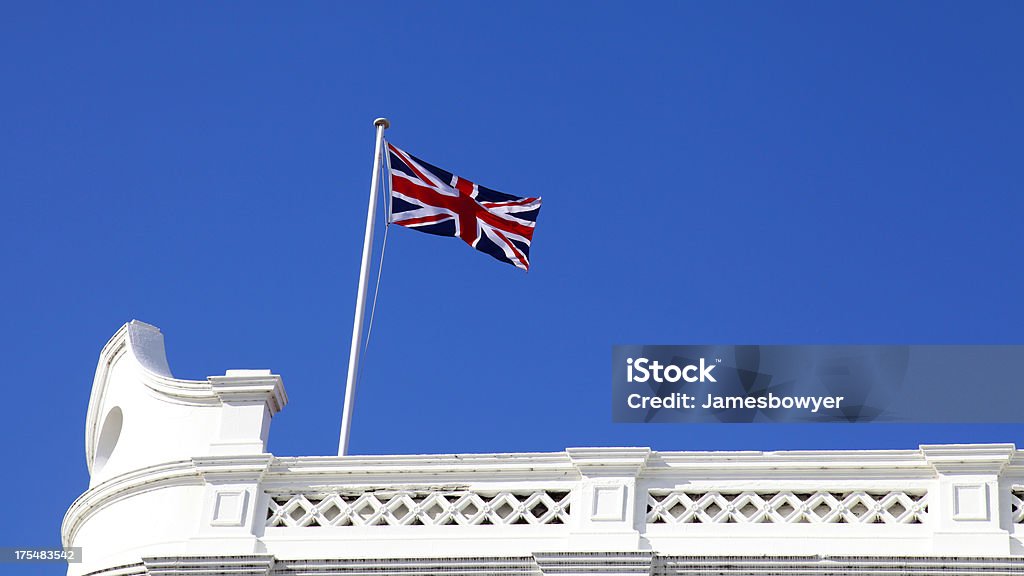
799, 172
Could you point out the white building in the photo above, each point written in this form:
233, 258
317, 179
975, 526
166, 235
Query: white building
181, 484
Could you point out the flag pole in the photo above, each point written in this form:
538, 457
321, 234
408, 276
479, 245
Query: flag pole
364, 280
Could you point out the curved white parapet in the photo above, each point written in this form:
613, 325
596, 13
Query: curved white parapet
143, 431
140, 415
181, 485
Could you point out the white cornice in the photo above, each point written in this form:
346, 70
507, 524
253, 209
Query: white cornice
810, 464
469, 467
255, 565
250, 386
609, 461
251, 467
569, 562
180, 473
969, 458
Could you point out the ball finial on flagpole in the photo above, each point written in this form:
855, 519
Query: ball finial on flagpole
382, 122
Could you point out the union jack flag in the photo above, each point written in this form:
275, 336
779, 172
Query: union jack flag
429, 199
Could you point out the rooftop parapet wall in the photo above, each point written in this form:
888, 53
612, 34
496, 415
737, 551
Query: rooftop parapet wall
169, 501
871, 503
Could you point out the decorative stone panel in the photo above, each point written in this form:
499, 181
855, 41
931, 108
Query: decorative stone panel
412, 507
786, 507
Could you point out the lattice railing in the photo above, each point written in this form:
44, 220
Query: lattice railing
786, 507
1017, 504
426, 508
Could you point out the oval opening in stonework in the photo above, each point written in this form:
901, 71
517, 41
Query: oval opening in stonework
109, 434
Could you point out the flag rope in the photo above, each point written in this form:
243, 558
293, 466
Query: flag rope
385, 196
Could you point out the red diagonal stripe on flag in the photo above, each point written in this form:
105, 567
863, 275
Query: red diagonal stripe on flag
468, 210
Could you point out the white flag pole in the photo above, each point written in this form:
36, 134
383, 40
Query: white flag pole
364, 280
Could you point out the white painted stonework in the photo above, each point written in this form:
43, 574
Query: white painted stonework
181, 484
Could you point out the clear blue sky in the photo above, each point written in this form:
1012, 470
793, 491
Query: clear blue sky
798, 172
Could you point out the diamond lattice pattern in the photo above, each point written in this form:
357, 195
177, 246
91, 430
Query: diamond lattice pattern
424, 508
1017, 505
785, 507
